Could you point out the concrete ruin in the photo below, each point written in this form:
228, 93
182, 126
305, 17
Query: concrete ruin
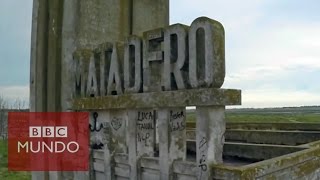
268, 151
121, 61
159, 83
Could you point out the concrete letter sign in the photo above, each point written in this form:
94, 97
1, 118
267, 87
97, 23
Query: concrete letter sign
174, 58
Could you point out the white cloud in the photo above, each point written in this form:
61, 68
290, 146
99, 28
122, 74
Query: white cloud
232, 13
273, 57
14, 93
278, 98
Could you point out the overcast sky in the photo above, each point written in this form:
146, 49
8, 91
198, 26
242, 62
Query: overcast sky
272, 47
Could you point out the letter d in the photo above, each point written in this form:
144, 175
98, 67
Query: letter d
56, 147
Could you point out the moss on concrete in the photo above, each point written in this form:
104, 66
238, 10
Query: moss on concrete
182, 98
309, 157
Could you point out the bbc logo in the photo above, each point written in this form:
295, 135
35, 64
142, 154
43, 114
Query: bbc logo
48, 131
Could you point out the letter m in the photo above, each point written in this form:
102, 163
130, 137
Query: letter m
25, 145
80, 75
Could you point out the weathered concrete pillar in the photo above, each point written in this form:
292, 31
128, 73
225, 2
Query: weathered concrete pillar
38, 56
102, 21
68, 45
45, 48
172, 140
148, 15
210, 129
140, 137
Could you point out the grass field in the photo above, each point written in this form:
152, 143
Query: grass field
4, 173
271, 115
271, 118
274, 118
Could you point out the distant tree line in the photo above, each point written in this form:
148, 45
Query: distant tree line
7, 106
17, 104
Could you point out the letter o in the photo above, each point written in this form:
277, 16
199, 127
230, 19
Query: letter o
212, 54
74, 151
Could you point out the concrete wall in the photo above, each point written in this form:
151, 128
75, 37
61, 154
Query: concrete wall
299, 165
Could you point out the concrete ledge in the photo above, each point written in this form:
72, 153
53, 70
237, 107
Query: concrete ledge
258, 151
252, 151
315, 144
277, 137
268, 126
164, 99
272, 137
299, 165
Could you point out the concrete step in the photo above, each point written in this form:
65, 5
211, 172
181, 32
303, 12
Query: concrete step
255, 152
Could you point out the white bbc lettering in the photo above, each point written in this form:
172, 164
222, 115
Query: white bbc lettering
34, 131
50, 146
48, 131
61, 131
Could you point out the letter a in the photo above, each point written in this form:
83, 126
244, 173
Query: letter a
114, 73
